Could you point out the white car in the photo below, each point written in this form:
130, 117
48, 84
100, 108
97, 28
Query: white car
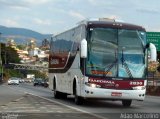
14, 81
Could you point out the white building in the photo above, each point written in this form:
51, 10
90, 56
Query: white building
37, 52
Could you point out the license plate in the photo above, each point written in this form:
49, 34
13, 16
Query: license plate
116, 94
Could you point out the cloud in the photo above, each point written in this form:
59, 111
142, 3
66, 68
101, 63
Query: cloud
41, 22
22, 3
35, 2
20, 8
93, 2
152, 28
76, 15
13, 4
11, 23
100, 2
148, 11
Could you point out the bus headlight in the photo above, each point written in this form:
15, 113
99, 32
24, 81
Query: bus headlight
92, 85
139, 88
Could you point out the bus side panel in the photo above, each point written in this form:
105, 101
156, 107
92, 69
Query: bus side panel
51, 77
64, 59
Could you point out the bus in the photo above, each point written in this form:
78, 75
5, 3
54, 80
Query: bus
100, 59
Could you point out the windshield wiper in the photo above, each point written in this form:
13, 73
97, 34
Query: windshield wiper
125, 65
110, 67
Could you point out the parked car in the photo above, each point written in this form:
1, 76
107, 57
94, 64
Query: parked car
13, 81
21, 81
45, 84
40, 82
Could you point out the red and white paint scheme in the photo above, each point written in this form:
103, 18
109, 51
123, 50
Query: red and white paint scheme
101, 59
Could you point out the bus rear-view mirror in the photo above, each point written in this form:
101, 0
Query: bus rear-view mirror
84, 48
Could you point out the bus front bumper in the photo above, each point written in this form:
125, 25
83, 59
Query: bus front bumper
102, 93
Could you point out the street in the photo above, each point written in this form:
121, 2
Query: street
38, 102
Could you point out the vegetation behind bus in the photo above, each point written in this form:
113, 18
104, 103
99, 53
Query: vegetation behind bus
8, 70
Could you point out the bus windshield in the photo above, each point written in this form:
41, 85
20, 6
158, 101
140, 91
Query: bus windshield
116, 53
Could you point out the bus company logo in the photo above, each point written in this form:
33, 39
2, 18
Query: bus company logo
136, 83
101, 81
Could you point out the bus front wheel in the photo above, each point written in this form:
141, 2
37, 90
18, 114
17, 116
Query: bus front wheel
77, 99
126, 103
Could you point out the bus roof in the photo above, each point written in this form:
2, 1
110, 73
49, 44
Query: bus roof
105, 22
111, 23
114, 24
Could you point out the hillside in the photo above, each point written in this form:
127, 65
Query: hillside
21, 35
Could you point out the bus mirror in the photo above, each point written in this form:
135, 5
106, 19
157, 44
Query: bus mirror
153, 51
84, 48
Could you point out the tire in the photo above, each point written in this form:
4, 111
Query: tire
77, 99
63, 95
56, 93
126, 103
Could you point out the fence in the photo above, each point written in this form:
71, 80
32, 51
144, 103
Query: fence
153, 85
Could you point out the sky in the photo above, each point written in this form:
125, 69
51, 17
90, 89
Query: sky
55, 16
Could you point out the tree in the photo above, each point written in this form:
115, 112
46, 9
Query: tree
11, 42
45, 44
11, 55
152, 66
21, 47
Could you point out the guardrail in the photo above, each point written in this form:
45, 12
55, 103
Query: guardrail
153, 83
153, 86
26, 66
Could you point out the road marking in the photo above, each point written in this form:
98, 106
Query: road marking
28, 111
19, 99
98, 116
24, 107
43, 107
95, 115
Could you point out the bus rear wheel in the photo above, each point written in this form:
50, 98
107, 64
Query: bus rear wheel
57, 94
63, 95
126, 103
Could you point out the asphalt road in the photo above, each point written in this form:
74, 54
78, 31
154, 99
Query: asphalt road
19, 103
6, 95
148, 109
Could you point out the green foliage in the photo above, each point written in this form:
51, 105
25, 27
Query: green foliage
14, 73
21, 47
12, 55
38, 74
152, 66
9, 55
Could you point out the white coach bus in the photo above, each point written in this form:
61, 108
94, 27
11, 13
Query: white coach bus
100, 59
